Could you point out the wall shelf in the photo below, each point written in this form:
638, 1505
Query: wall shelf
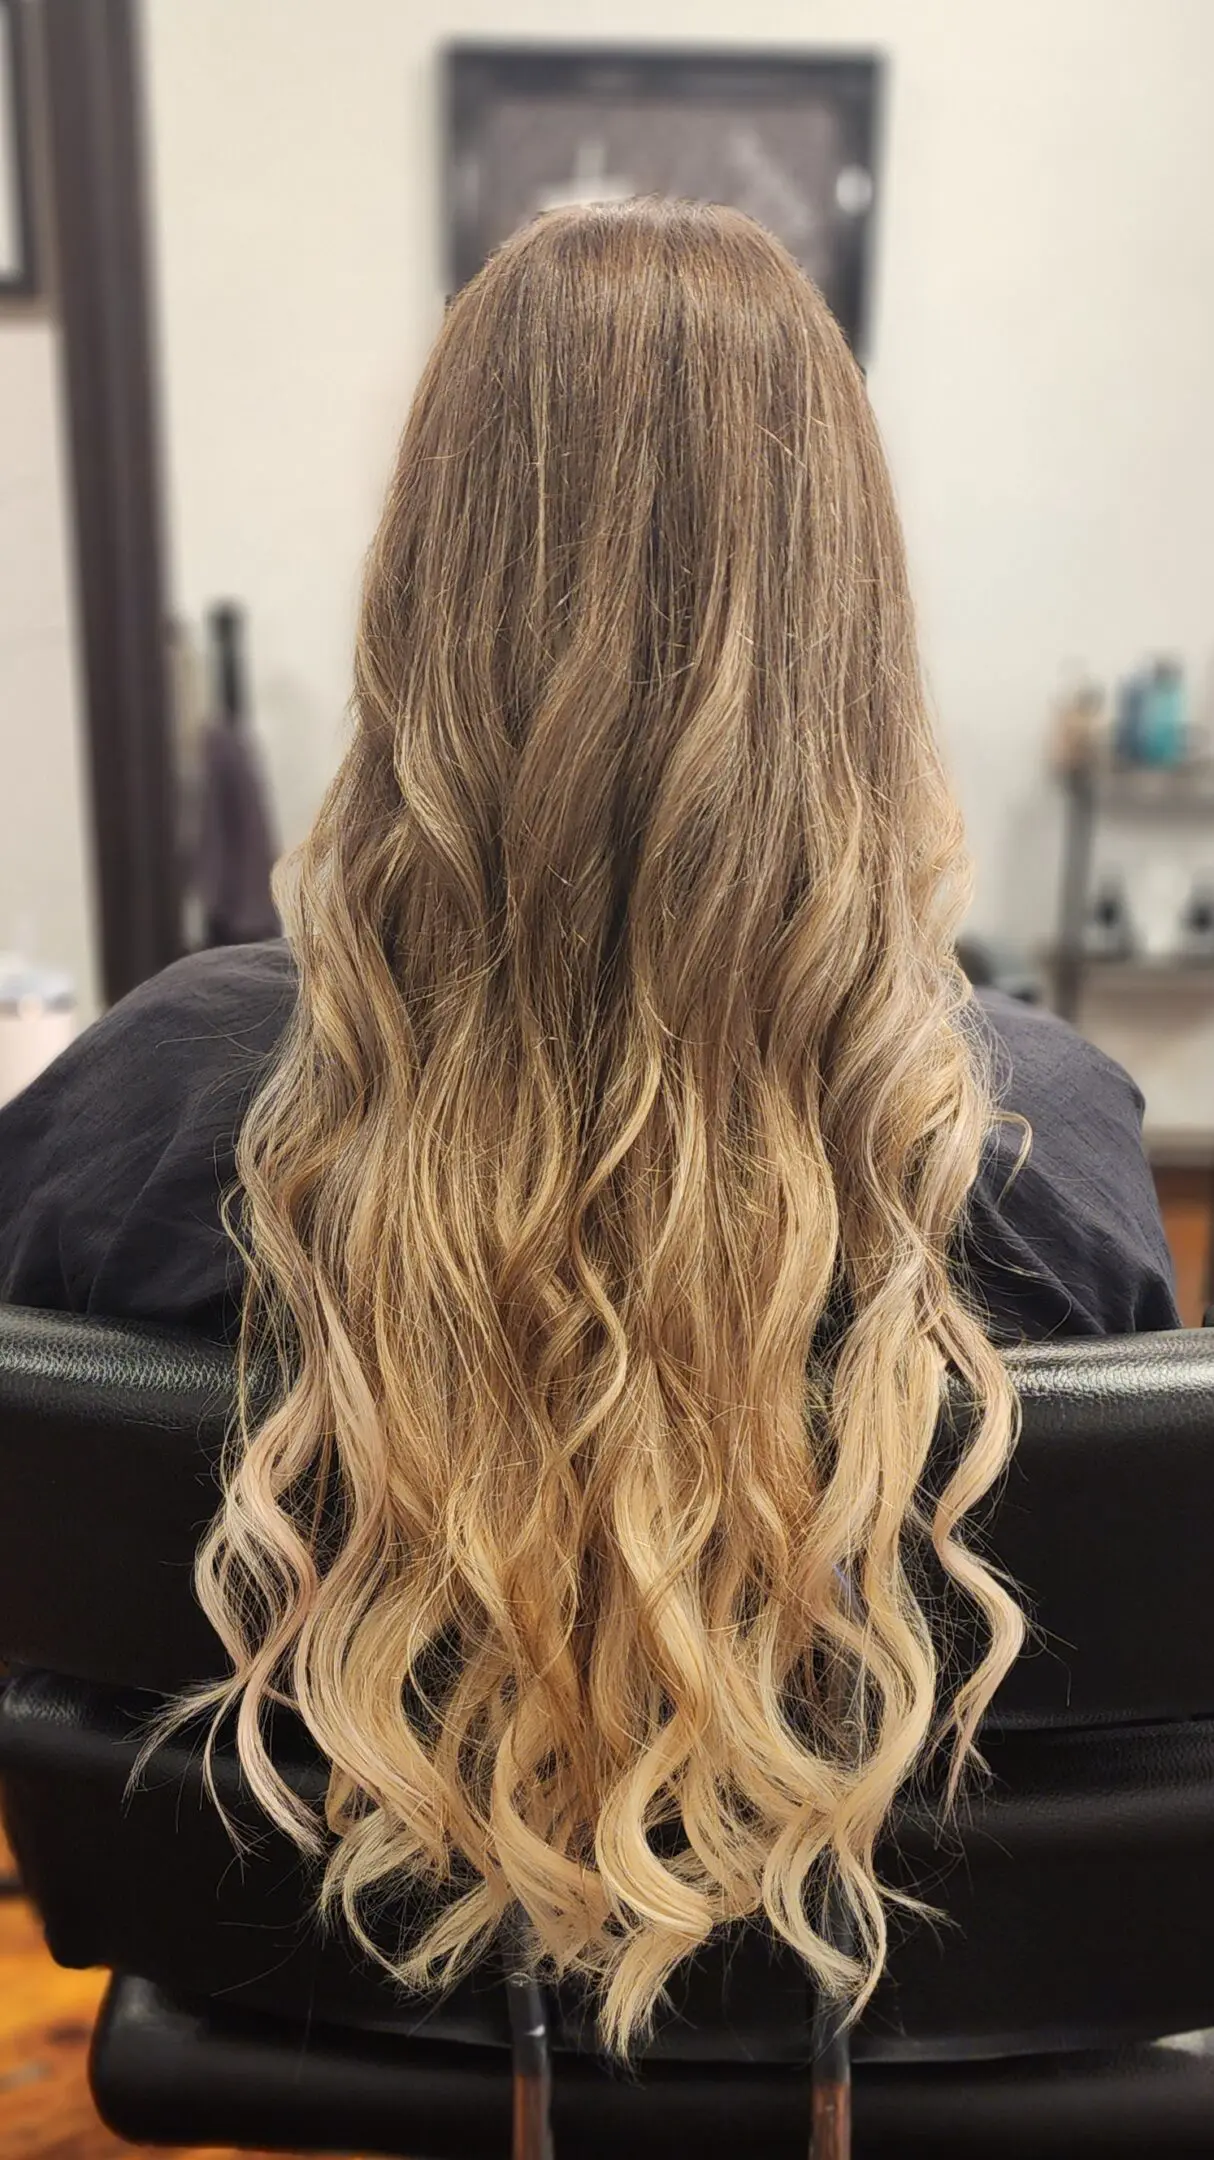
1093, 792
1172, 973
1185, 791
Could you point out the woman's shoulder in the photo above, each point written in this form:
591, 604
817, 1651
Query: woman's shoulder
113, 1162
1042, 1063
1065, 1235
176, 1049
209, 1017
248, 988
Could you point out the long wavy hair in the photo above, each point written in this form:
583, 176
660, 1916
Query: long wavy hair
601, 1209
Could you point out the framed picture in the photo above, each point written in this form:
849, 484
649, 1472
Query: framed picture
789, 137
18, 276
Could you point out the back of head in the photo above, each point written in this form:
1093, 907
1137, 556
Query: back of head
603, 1198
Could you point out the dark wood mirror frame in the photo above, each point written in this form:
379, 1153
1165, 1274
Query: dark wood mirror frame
90, 86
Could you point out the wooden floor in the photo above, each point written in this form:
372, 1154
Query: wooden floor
1185, 1198
46, 2017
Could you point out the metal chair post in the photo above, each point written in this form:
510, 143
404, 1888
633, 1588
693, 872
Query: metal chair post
531, 2109
830, 2103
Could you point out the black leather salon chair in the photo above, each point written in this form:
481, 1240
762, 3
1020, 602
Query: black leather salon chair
1078, 1882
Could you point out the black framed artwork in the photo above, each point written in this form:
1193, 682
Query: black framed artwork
790, 137
18, 270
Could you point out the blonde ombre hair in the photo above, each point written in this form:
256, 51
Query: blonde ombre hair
603, 1202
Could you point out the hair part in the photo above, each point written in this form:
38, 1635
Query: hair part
601, 1209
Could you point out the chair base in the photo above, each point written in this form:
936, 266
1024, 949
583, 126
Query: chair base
168, 2073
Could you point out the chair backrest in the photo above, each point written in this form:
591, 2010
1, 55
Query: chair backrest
1102, 1740
110, 1438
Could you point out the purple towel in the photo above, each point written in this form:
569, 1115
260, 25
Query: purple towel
235, 848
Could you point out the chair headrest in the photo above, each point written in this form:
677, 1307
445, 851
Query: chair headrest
110, 1437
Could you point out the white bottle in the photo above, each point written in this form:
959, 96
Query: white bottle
37, 1021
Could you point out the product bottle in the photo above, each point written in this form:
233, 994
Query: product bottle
1197, 924
1162, 728
1107, 933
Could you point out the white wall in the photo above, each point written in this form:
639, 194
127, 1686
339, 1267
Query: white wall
45, 868
1043, 346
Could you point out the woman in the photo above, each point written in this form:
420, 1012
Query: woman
623, 1174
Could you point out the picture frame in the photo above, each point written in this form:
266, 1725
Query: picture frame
791, 137
18, 265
